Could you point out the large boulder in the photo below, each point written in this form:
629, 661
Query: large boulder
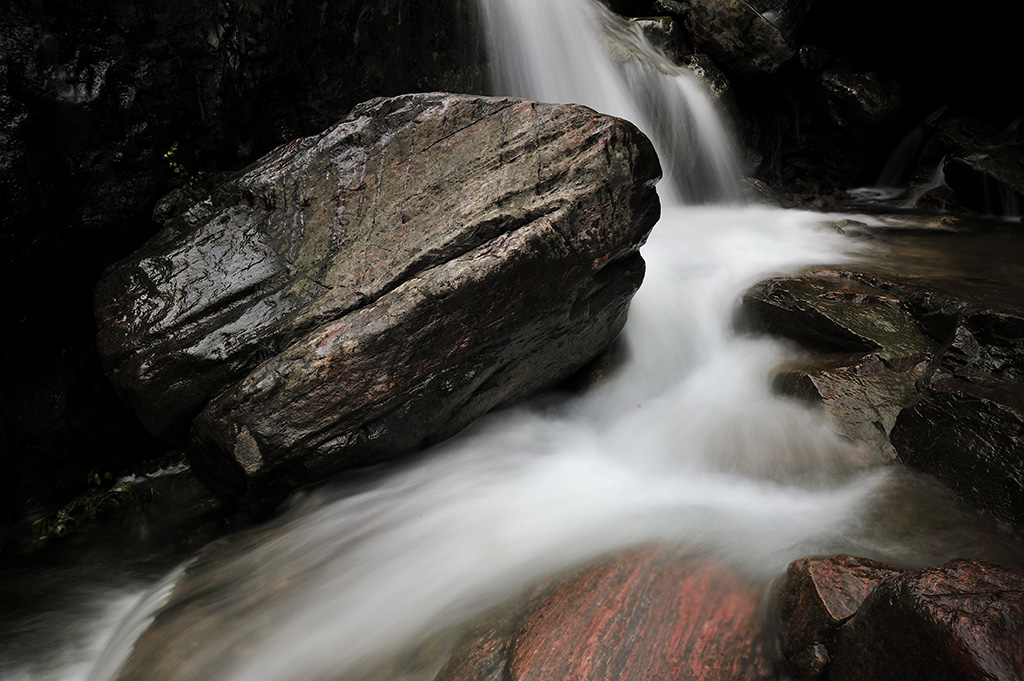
815, 598
364, 291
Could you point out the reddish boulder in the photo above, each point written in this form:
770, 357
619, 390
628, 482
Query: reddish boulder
963, 621
815, 599
647, 615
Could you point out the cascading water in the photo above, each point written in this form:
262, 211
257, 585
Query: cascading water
578, 51
685, 443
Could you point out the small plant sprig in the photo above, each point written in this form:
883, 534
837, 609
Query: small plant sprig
80, 509
189, 179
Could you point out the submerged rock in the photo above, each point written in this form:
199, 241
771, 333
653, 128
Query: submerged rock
645, 615
361, 292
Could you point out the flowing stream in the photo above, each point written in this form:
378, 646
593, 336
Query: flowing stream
685, 443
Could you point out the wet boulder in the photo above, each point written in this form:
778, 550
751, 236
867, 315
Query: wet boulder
645, 615
815, 598
869, 349
961, 621
851, 618
967, 426
362, 292
104, 108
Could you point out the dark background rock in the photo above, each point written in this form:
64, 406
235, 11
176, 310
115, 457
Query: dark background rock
91, 99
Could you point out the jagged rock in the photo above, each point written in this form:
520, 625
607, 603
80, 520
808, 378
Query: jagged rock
926, 371
815, 599
845, 618
739, 39
967, 428
958, 622
361, 292
646, 615
876, 350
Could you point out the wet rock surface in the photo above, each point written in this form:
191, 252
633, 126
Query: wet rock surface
923, 369
358, 293
850, 618
647, 614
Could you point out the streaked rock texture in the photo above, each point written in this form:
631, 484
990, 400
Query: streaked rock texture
645, 615
361, 292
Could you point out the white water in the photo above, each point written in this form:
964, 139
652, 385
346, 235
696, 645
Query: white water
686, 443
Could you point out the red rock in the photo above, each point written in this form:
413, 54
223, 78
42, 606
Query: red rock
646, 615
816, 597
963, 621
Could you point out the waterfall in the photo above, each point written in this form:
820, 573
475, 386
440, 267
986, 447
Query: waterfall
685, 443
578, 51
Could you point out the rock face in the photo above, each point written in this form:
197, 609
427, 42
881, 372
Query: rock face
927, 371
92, 98
361, 292
646, 615
741, 40
847, 618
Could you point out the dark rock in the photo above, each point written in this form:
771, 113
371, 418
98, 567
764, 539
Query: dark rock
962, 622
786, 15
927, 371
971, 437
671, 7
814, 58
666, 35
830, 312
739, 39
815, 599
647, 614
360, 292
91, 99
869, 110
988, 181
